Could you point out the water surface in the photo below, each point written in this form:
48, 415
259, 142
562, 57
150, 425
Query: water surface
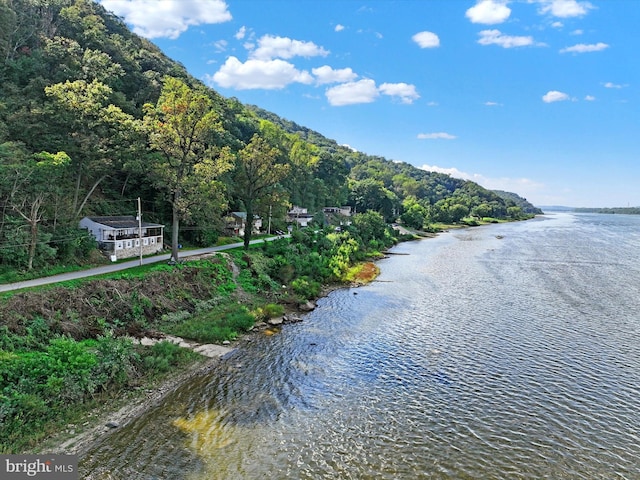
499, 352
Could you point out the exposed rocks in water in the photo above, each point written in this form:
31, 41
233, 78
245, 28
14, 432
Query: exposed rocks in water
308, 306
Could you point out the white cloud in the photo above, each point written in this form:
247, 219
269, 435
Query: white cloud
220, 45
577, 32
495, 37
270, 47
350, 93
589, 98
565, 8
522, 186
489, 12
432, 104
339, 28
436, 136
557, 24
255, 74
583, 47
167, 18
407, 93
326, 74
426, 39
554, 96
613, 85
492, 104
241, 33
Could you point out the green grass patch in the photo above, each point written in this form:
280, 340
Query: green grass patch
215, 326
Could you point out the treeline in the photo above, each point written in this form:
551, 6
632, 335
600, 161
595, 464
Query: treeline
620, 210
93, 117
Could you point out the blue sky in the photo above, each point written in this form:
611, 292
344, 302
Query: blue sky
537, 97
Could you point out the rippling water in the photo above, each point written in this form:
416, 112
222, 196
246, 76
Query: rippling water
499, 352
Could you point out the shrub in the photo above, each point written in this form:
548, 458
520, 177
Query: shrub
306, 288
217, 325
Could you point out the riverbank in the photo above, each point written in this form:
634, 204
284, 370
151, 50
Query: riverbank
78, 439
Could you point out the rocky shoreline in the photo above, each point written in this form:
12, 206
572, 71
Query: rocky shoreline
79, 439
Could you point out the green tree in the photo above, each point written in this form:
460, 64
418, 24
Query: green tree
32, 185
183, 127
101, 134
257, 175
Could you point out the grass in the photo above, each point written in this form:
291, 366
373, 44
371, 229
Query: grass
226, 322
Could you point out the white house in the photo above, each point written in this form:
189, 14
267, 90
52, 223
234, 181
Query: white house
121, 236
299, 215
345, 210
236, 222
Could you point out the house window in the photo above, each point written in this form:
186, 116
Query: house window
138, 242
118, 245
153, 240
145, 241
129, 244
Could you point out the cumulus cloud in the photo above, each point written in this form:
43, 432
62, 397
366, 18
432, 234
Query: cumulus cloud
258, 74
584, 47
241, 33
565, 8
169, 18
436, 136
350, 93
589, 98
613, 85
270, 47
426, 39
339, 28
326, 74
405, 92
489, 12
523, 186
554, 96
495, 37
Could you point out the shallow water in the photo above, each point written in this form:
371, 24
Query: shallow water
472, 356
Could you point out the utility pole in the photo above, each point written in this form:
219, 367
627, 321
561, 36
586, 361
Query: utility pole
140, 228
269, 228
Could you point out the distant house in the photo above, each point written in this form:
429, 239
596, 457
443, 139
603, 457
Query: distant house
300, 216
121, 236
345, 211
235, 223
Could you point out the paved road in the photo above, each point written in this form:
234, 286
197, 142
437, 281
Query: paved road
121, 266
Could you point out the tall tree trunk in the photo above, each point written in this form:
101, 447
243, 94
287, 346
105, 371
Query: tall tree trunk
86, 197
248, 226
175, 225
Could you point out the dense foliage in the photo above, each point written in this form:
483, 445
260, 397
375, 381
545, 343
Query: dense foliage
93, 116
64, 347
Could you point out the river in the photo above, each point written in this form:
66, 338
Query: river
497, 352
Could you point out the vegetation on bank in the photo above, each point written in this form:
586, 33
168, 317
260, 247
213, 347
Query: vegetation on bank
93, 117
68, 347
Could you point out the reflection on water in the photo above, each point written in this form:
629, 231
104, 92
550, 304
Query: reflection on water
509, 351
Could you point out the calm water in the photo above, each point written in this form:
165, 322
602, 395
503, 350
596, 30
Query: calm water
500, 352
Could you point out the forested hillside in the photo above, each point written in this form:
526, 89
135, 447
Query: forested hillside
93, 117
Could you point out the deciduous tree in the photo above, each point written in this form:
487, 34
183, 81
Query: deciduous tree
256, 176
183, 127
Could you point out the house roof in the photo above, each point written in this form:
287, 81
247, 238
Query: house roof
124, 221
